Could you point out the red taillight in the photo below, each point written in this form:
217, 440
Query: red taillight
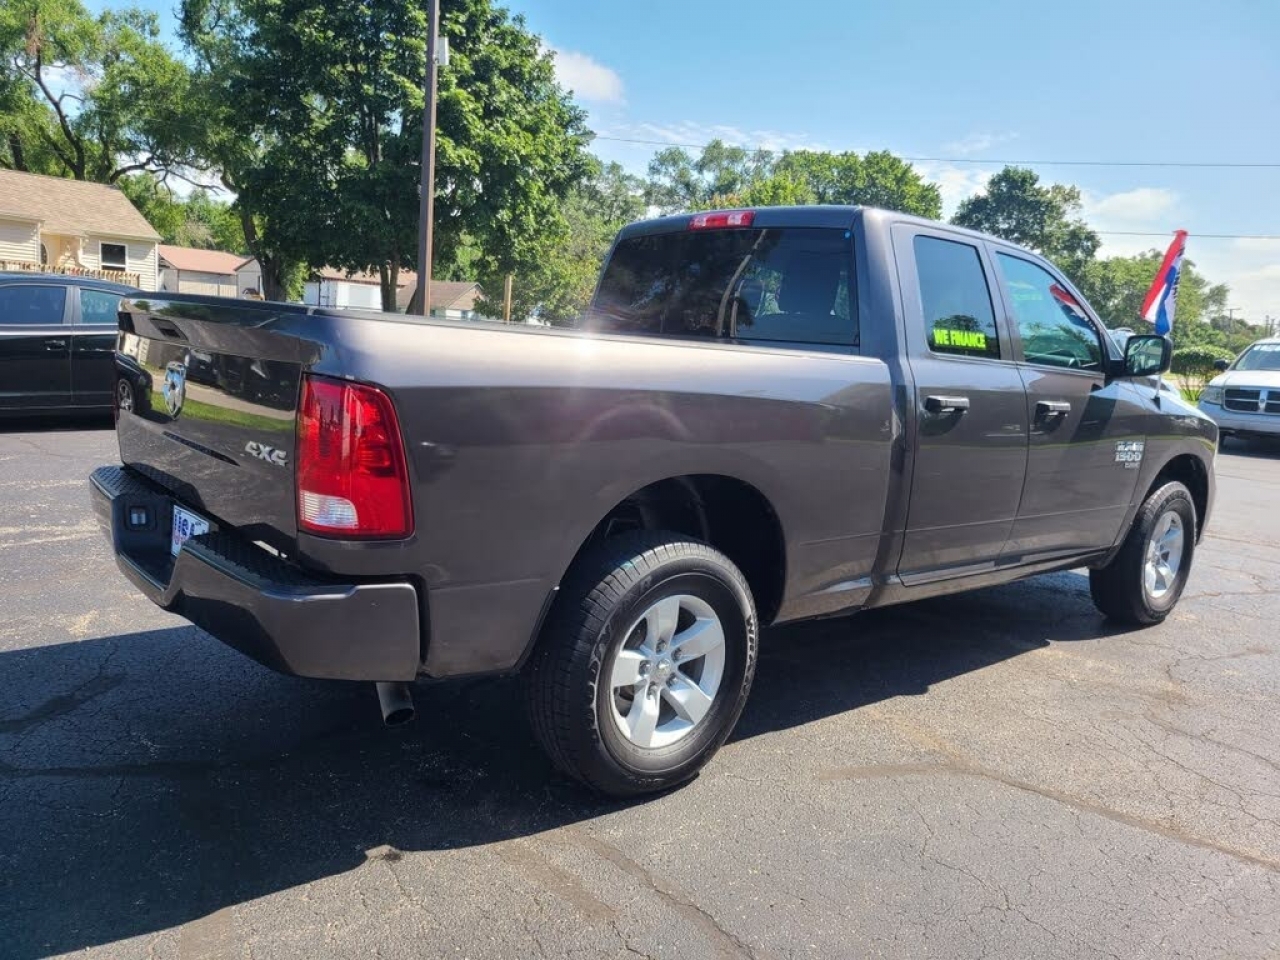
722, 220
351, 479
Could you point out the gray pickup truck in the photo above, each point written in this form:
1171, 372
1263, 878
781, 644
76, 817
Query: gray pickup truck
766, 415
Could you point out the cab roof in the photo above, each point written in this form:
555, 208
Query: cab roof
815, 215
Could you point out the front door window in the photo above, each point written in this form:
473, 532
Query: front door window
1055, 330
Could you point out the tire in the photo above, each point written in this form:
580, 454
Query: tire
609, 620
1126, 589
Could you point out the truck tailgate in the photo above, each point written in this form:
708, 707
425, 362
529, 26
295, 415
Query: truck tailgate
208, 395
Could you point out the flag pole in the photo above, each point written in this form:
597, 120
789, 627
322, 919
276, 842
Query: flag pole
1160, 303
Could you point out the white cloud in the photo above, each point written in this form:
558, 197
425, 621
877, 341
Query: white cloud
956, 182
1146, 208
977, 142
690, 132
1251, 268
587, 78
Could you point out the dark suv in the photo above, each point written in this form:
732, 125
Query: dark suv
57, 341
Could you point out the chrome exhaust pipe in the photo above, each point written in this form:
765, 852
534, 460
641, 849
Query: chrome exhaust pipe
396, 701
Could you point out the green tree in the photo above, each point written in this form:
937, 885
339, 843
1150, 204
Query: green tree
1116, 286
877, 179
679, 181
90, 97
194, 221
733, 176
559, 287
1018, 208
318, 111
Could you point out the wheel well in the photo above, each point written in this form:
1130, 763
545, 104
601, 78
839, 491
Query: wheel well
728, 514
1191, 472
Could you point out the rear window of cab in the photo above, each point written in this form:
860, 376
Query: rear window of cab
778, 285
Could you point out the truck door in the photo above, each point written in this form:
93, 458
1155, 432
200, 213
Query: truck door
1088, 434
970, 449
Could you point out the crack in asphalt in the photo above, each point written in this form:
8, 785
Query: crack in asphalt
64, 703
1208, 738
727, 944
960, 769
524, 857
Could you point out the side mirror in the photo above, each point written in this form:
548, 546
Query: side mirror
1221, 365
1146, 355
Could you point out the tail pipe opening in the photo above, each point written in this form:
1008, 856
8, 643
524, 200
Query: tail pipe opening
396, 701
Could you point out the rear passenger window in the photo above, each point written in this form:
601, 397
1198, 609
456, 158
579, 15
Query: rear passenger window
24, 303
958, 315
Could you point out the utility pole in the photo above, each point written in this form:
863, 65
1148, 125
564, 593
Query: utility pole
506, 300
427, 185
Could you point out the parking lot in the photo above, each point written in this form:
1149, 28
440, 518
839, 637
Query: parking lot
996, 774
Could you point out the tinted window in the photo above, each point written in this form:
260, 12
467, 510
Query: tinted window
27, 303
1054, 328
958, 315
114, 256
789, 284
97, 306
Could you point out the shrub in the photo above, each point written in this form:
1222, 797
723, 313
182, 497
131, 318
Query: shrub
1198, 361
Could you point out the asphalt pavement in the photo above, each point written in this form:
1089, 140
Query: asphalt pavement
999, 774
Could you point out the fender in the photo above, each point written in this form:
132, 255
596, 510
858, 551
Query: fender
1203, 448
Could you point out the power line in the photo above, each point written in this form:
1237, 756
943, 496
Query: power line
1190, 234
1076, 163
1043, 163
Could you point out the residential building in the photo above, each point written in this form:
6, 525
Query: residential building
211, 272
450, 299
249, 278
72, 227
332, 287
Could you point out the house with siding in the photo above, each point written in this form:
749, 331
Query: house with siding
249, 278
56, 225
450, 299
332, 287
210, 272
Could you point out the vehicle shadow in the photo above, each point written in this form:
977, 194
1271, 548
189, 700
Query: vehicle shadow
1261, 448
153, 778
57, 422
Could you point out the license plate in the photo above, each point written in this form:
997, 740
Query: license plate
185, 526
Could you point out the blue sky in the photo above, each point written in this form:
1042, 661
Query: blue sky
977, 81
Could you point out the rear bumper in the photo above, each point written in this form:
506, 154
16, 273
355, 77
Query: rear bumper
1229, 421
266, 608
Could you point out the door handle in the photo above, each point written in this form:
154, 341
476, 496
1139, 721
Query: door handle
55, 344
1052, 408
946, 404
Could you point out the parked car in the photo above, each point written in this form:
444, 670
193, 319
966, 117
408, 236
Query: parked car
767, 415
1244, 400
1121, 336
57, 342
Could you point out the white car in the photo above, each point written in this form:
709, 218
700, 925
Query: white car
1245, 398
